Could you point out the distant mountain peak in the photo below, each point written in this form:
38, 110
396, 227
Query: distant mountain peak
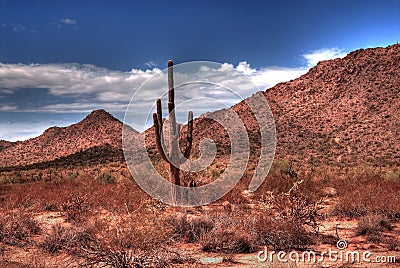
99, 128
100, 115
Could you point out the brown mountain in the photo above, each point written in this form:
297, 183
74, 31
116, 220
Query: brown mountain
342, 112
5, 144
98, 130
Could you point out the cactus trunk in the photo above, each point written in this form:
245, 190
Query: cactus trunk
172, 157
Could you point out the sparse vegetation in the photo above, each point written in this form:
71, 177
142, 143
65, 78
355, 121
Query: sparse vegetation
16, 228
75, 209
373, 225
107, 178
69, 198
59, 238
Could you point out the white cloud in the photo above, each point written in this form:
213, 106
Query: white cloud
269, 76
68, 21
22, 131
88, 87
73, 79
151, 64
79, 107
316, 56
8, 108
17, 28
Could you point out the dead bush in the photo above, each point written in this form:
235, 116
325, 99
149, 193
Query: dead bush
373, 225
189, 230
363, 194
293, 206
133, 241
140, 231
283, 234
393, 243
76, 209
59, 238
17, 227
129, 258
290, 219
228, 241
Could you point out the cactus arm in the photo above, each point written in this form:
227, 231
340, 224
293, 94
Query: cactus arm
160, 124
159, 138
189, 138
171, 92
159, 114
178, 130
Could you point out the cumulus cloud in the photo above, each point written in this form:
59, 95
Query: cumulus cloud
8, 108
316, 56
73, 80
87, 87
65, 21
151, 64
18, 131
269, 76
68, 21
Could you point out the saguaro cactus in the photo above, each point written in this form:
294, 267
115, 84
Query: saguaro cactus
172, 157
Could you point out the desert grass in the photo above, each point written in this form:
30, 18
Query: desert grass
100, 221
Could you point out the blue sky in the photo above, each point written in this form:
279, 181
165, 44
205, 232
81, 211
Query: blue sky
61, 59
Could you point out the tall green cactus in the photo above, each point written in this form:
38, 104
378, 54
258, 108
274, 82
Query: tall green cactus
172, 157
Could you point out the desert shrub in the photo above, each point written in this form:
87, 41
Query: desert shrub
359, 196
393, 243
290, 219
125, 258
50, 207
233, 232
283, 234
59, 238
73, 175
137, 232
106, 178
75, 209
189, 230
124, 196
17, 227
223, 232
293, 206
235, 196
228, 241
284, 169
111, 258
132, 241
229, 258
33, 262
373, 225
283, 175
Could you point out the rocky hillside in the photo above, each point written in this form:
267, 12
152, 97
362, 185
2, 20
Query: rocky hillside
343, 111
97, 129
5, 144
